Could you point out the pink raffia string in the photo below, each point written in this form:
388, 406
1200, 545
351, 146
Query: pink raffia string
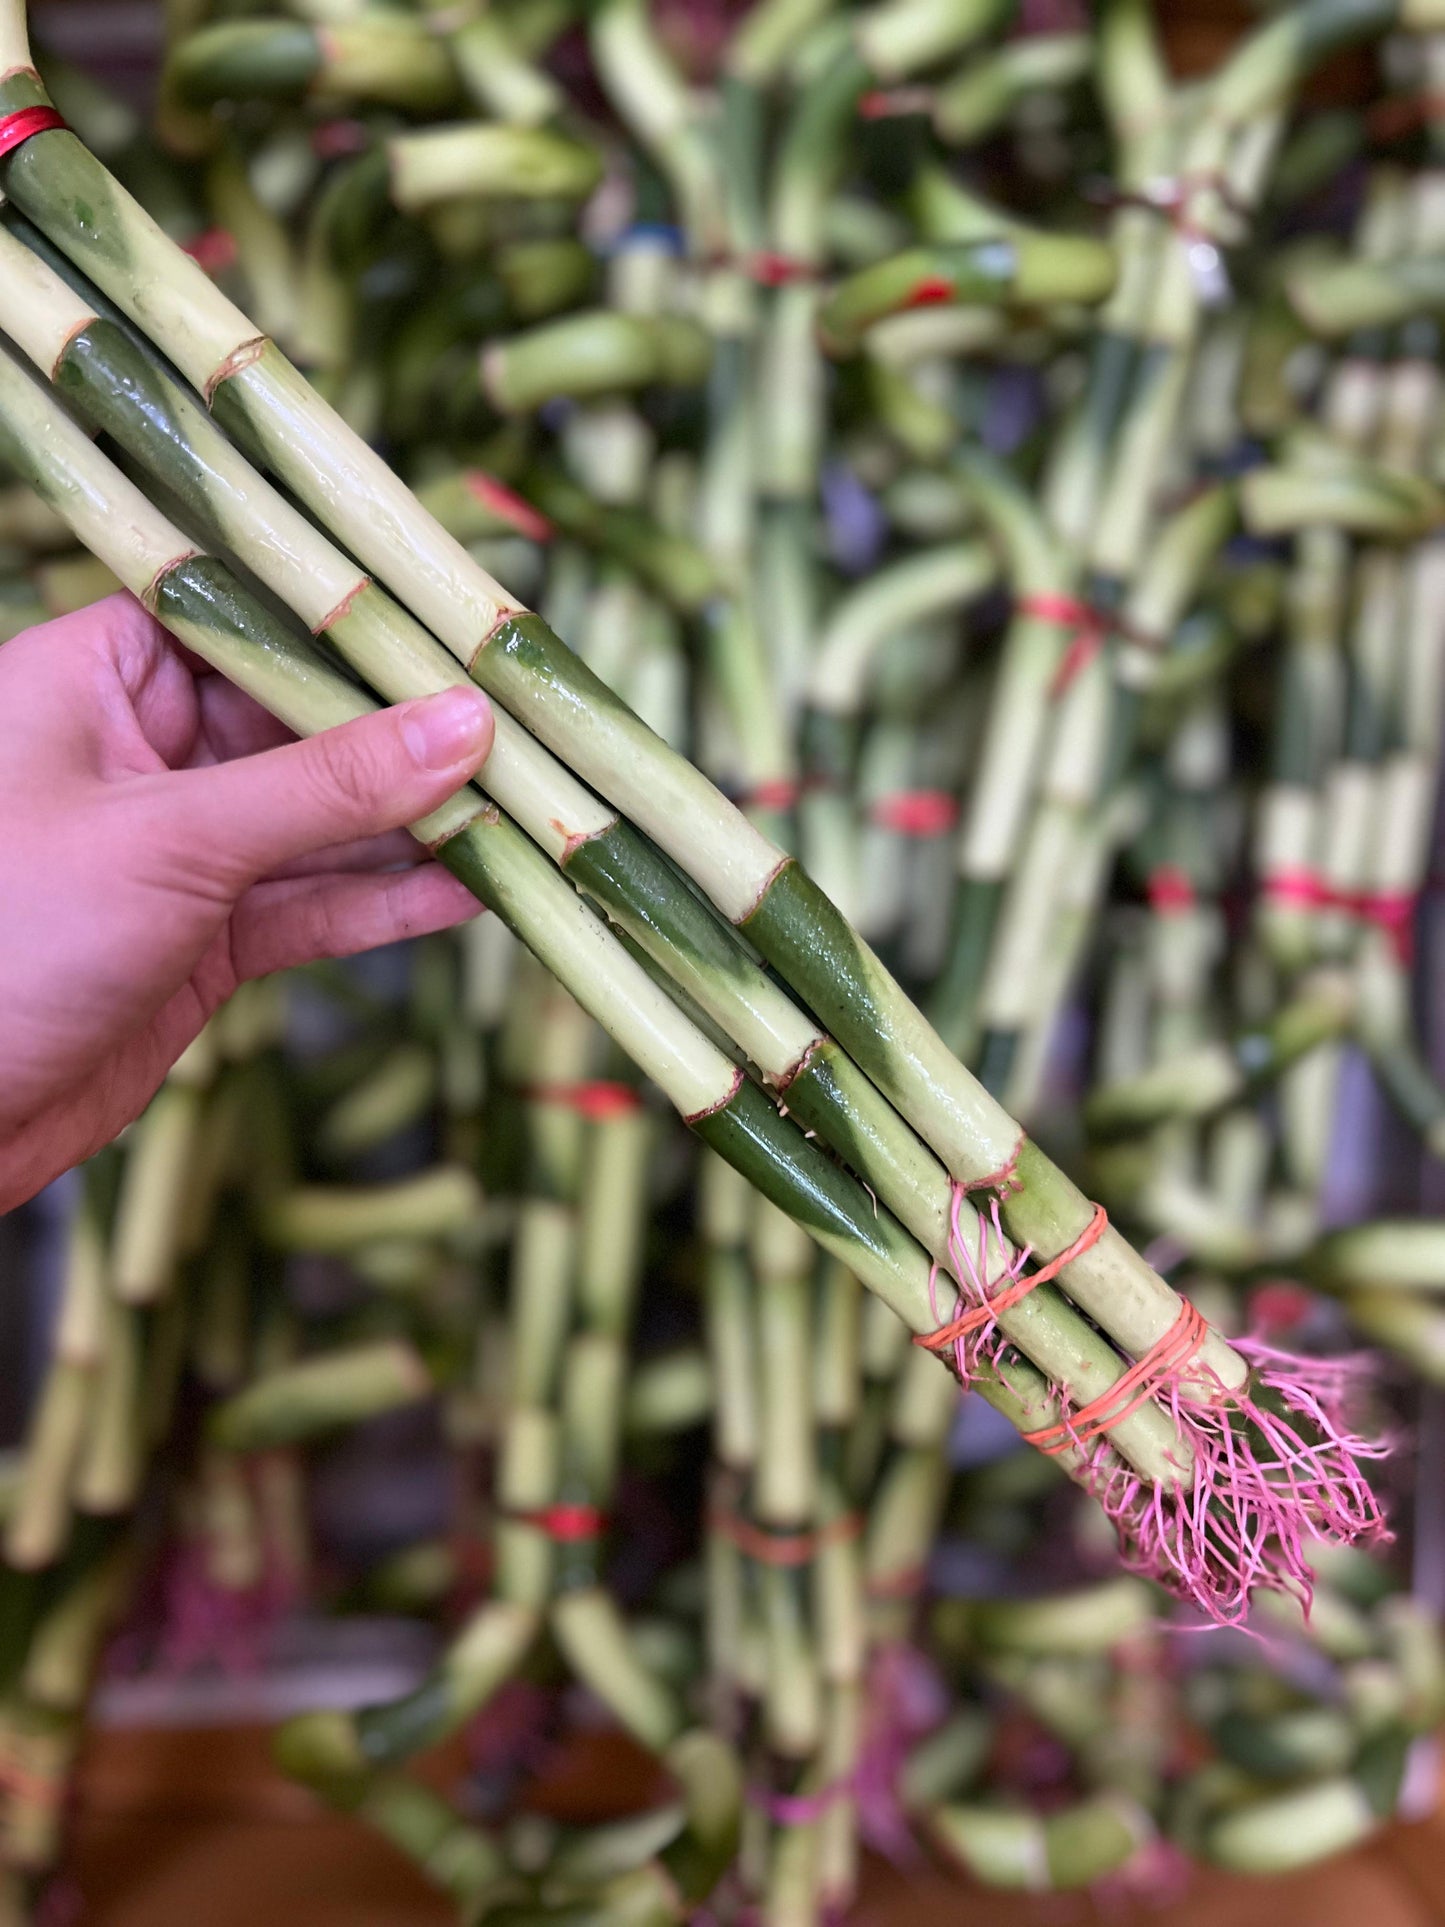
1276, 1465
1276, 1461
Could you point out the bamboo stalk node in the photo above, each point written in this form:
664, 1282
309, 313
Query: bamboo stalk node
978, 1322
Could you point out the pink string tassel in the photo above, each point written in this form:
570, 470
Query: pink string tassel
1276, 1462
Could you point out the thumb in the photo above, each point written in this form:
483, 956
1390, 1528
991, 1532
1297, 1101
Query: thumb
248, 817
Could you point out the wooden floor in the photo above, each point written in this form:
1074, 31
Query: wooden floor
184, 1826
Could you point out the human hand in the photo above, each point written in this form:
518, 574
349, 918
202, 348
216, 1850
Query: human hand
163, 841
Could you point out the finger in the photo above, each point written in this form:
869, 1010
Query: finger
392, 850
232, 724
104, 692
300, 920
242, 820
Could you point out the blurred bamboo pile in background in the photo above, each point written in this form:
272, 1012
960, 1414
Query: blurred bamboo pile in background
1013, 475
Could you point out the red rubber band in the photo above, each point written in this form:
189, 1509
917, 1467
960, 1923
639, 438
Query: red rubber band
1014, 1293
507, 505
916, 812
214, 250
930, 292
780, 793
1170, 890
596, 1101
1089, 626
1392, 911
1163, 1360
788, 1549
25, 122
772, 270
567, 1524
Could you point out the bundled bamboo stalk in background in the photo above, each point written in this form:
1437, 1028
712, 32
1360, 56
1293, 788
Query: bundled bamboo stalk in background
902, 510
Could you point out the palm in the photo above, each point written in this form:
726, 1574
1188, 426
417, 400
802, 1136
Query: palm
125, 929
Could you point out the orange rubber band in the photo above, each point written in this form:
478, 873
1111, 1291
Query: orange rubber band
772, 1548
1176, 1349
979, 1315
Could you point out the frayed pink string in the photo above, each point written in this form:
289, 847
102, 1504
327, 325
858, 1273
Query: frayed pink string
1264, 1481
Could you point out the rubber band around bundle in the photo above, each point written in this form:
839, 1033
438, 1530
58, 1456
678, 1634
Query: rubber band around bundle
24, 123
1014, 1293
214, 249
1170, 890
921, 813
1163, 1361
1392, 911
597, 1101
505, 503
1090, 628
566, 1523
784, 1548
776, 793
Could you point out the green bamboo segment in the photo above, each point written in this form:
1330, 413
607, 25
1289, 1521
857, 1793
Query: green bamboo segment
1334, 299
444, 1204
1020, 270
1204, 1080
971, 103
594, 353
451, 163
381, 57
1069, 1849
1387, 1255
320, 1395
899, 37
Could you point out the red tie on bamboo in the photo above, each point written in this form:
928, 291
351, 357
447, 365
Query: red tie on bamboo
25, 121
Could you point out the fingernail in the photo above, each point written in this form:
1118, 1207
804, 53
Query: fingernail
445, 730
